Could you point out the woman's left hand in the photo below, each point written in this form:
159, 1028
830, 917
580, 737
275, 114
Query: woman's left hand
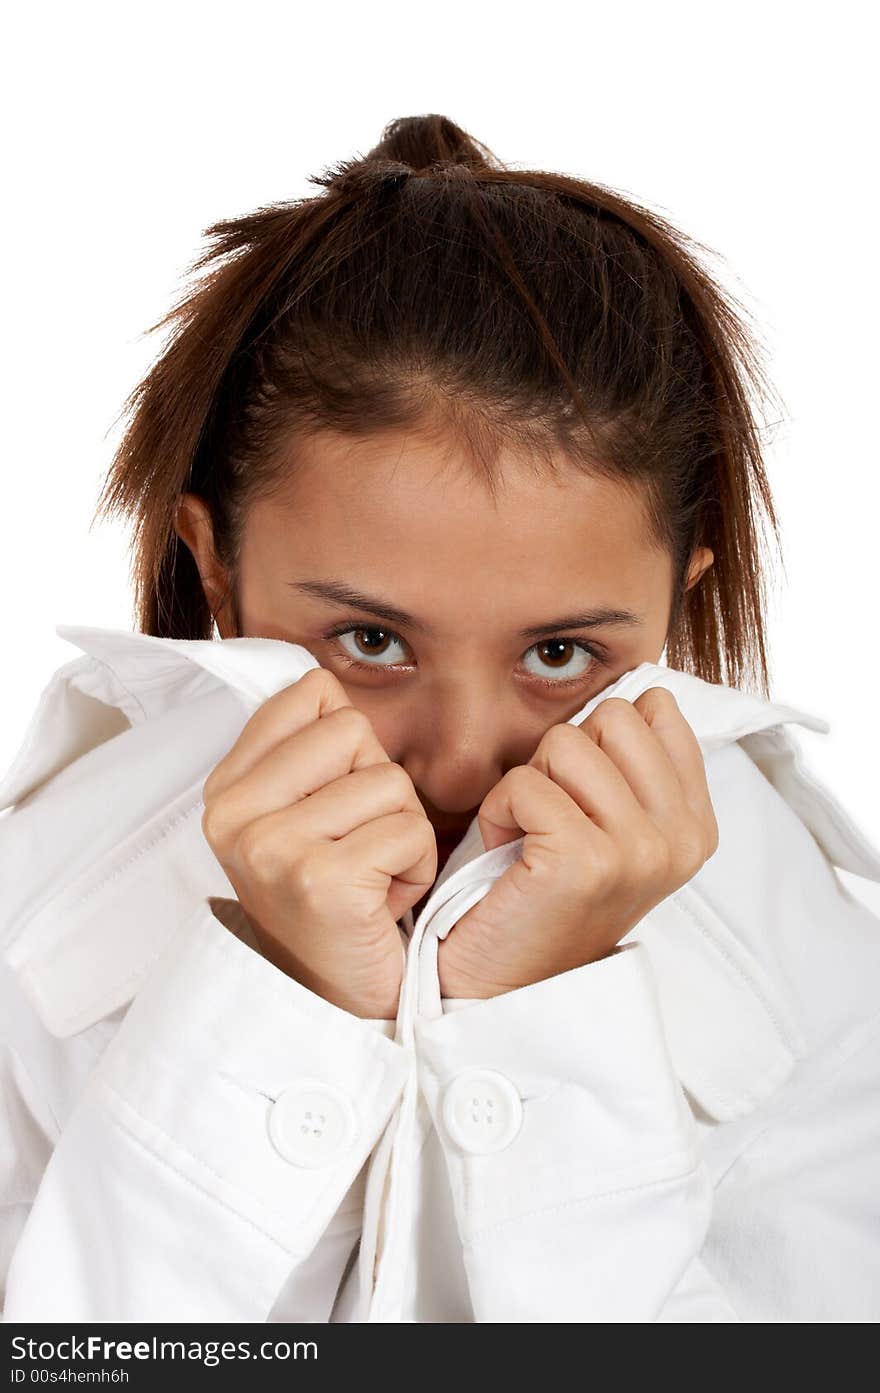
616, 815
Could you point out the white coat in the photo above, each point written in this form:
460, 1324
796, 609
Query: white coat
688, 1130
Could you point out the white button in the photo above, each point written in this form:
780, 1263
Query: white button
482, 1111
312, 1123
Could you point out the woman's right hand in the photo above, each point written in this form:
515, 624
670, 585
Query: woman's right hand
324, 841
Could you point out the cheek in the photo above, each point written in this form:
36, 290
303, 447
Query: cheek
389, 726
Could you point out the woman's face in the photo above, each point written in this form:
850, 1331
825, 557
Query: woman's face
463, 643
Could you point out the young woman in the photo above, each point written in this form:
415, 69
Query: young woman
426, 949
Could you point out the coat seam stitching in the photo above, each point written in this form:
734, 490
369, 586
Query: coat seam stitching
103, 1083
584, 1200
705, 930
38, 1092
805, 1094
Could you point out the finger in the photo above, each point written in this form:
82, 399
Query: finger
313, 697
574, 761
526, 803
328, 814
662, 714
395, 845
341, 743
620, 730
400, 845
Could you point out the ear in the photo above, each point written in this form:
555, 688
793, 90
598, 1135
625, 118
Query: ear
193, 525
700, 562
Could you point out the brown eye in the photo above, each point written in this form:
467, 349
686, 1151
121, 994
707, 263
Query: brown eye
550, 651
369, 642
370, 646
565, 658
366, 645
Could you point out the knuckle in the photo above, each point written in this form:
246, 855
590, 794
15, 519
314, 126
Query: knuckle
689, 858
214, 825
605, 864
316, 683
306, 877
652, 855
609, 709
395, 775
422, 825
320, 677
557, 740
693, 848
257, 854
521, 774
714, 837
353, 721
657, 699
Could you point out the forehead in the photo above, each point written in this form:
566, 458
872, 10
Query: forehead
398, 510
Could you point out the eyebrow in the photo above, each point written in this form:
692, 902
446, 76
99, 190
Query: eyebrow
339, 592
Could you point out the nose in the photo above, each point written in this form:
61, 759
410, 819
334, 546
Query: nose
456, 752
451, 784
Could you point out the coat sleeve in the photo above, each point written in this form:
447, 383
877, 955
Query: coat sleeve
184, 1184
602, 1207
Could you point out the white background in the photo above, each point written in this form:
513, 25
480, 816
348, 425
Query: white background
131, 128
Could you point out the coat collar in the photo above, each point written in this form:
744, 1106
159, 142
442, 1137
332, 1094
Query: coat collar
148, 866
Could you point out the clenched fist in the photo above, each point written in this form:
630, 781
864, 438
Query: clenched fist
616, 815
325, 842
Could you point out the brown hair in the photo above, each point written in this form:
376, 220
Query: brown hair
429, 285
